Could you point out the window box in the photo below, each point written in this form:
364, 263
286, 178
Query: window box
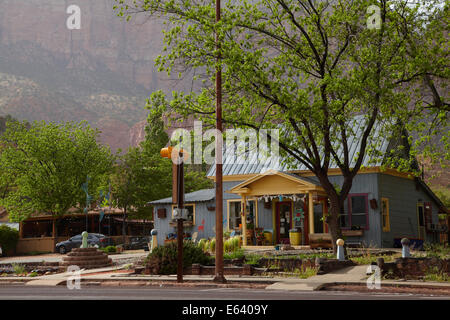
353, 233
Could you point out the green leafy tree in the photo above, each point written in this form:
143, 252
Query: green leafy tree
142, 175
8, 238
46, 163
310, 66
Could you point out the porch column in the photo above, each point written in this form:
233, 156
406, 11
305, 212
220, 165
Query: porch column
311, 212
244, 220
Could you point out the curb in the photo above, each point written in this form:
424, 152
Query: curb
389, 284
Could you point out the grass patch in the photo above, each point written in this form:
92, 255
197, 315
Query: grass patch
238, 254
252, 258
435, 275
19, 268
437, 251
305, 274
370, 258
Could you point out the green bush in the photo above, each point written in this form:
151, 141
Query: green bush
201, 243
19, 268
109, 249
437, 251
8, 238
237, 254
163, 259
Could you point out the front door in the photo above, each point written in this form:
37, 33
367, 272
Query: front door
283, 221
421, 220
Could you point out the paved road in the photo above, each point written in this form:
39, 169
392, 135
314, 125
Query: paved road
19, 292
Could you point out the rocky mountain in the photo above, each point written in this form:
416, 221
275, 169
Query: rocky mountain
102, 73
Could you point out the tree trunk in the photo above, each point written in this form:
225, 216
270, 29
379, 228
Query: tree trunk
333, 221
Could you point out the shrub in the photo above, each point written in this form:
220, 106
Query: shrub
212, 245
201, 243
237, 254
18, 268
437, 251
435, 275
8, 238
109, 249
306, 273
163, 259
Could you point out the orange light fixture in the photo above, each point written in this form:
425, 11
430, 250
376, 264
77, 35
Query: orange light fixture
166, 152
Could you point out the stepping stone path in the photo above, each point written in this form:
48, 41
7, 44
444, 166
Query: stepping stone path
86, 258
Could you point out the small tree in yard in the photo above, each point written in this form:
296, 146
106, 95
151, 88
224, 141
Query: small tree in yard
311, 67
8, 239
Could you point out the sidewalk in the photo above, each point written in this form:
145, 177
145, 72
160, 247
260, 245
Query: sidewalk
56, 257
349, 276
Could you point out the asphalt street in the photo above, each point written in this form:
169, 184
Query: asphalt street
21, 292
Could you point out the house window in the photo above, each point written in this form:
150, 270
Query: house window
385, 214
191, 212
356, 213
234, 213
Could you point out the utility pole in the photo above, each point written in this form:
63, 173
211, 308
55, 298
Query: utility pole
178, 198
219, 273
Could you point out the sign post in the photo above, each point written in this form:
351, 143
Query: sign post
178, 199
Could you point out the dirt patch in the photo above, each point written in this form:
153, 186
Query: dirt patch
186, 284
390, 289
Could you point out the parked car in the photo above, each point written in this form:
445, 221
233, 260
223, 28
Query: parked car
137, 243
94, 239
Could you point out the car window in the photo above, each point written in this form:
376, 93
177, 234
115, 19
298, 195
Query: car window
91, 237
76, 238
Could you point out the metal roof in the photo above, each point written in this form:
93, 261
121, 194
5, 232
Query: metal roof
196, 196
237, 165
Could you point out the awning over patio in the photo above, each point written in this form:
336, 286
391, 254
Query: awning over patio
273, 182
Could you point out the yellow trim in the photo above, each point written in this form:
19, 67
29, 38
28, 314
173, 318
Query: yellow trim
331, 172
274, 220
337, 172
387, 227
240, 200
234, 177
193, 211
228, 211
280, 183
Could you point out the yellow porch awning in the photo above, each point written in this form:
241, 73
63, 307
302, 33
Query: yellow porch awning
273, 182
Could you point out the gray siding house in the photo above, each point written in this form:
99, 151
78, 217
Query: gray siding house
383, 205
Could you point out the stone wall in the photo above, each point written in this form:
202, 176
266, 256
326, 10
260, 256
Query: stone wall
269, 265
413, 267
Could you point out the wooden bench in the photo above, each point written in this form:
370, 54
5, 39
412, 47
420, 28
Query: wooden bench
320, 240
